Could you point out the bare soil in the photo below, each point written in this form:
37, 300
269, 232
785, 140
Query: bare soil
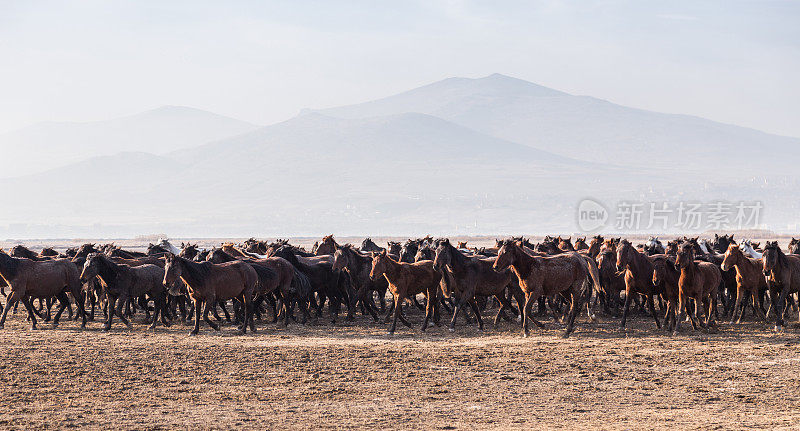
354, 375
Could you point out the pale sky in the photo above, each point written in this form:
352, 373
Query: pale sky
731, 61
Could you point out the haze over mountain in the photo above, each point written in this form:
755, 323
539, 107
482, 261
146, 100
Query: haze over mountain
48, 145
489, 155
586, 128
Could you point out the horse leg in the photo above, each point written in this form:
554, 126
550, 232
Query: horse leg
679, 313
397, 302
474, 304
28, 303
626, 308
429, 308
63, 301
575, 305
738, 309
121, 303
13, 298
651, 306
196, 303
456, 309
389, 313
208, 305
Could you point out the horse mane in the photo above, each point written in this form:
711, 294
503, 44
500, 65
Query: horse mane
195, 270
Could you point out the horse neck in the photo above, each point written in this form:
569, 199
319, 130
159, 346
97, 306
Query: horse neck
391, 268
522, 264
107, 269
458, 262
688, 272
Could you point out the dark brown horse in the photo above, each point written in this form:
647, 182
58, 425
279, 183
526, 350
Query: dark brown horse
208, 283
666, 278
580, 244
473, 276
612, 282
638, 278
782, 274
358, 267
40, 279
122, 282
700, 281
750, 281
405, 280
369, 246
594, 246
566, 274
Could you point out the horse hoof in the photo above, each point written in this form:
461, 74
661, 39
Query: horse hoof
451, 329
525, 335
565, 335
674, 333
106, 329
193, 333
390, 333
778, 328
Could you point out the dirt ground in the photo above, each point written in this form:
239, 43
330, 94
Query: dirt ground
354, 375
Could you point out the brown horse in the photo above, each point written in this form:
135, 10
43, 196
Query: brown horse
208, 283
475, 276
405, 280
580, 244
700, 281
612, 282
565, 244
638, 278
122, 282
40, 279
595, 245
794, 246
782, 274
358, 267
566, 274
750, 280
328, 246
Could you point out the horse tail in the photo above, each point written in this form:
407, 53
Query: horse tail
593, 273
446, 284
301, 285
265, 275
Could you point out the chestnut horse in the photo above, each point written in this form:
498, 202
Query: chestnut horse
405, 280
565, 274
700, 281
782, 274
475, 276
750, 280
208, 283
40, 279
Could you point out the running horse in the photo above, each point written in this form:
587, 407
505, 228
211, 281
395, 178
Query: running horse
782, 274
208, 283
40, 279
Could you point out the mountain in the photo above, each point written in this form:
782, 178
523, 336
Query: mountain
588, 128
318, 173
51, 144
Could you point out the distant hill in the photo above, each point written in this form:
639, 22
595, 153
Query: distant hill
51, 144
587, 128
492, 155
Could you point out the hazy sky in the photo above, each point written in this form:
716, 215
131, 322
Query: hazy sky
731, 61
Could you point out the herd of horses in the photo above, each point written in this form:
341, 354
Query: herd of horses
687, 276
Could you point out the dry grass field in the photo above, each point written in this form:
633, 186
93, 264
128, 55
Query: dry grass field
355, 376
